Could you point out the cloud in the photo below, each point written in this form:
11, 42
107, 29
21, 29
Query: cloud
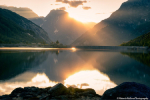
100, 13
61, 8
73, 3
59, 0
86, 8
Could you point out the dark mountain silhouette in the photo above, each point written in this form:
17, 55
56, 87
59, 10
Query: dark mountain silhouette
24, 12
143, 40
61, 27
16, 29
131, 20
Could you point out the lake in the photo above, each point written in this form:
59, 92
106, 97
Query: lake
97, 69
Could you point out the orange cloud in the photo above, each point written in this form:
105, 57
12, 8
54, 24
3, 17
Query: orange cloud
61, 8
86, 8
73, 3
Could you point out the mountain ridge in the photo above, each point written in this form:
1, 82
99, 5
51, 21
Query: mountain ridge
123, 25
22, 11
61, 27
143, 40
16, 29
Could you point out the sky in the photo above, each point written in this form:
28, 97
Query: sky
81, 10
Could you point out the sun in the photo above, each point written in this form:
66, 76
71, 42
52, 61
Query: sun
78, 18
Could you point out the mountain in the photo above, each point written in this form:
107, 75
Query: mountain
17, 29
61, 27
131, 20
143, 40
25, 12
38, 21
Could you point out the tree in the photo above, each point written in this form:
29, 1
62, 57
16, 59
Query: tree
57, 42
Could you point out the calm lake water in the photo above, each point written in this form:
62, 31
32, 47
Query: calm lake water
99, 70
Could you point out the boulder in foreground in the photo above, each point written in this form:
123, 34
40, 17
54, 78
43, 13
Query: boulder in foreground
128, 90
57, 92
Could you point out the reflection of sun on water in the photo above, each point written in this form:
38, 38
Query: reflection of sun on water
90, 79
40, 80
73, 49
83, 79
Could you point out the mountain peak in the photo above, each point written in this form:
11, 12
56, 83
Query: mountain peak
23, 11
54, 13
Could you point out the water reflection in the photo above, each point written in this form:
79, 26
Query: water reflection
83, 79
84, 69
33, 79
15, 63
118, 67
73, 49
90, 79
141, 57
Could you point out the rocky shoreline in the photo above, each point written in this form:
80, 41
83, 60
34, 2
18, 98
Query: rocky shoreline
127, 90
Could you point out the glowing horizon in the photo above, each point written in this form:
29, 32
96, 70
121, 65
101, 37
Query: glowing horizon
89, 11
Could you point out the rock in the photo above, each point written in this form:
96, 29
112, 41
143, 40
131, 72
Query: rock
58, 89
44, 96
58, 92
30, 89
16, 91
27, 96
81, 91
127, 89
19, 98
5, 97
148, 49
88, 93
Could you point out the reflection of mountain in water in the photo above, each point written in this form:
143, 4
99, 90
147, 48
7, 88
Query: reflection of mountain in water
141, 57
15, 63
59, 67
118, 67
